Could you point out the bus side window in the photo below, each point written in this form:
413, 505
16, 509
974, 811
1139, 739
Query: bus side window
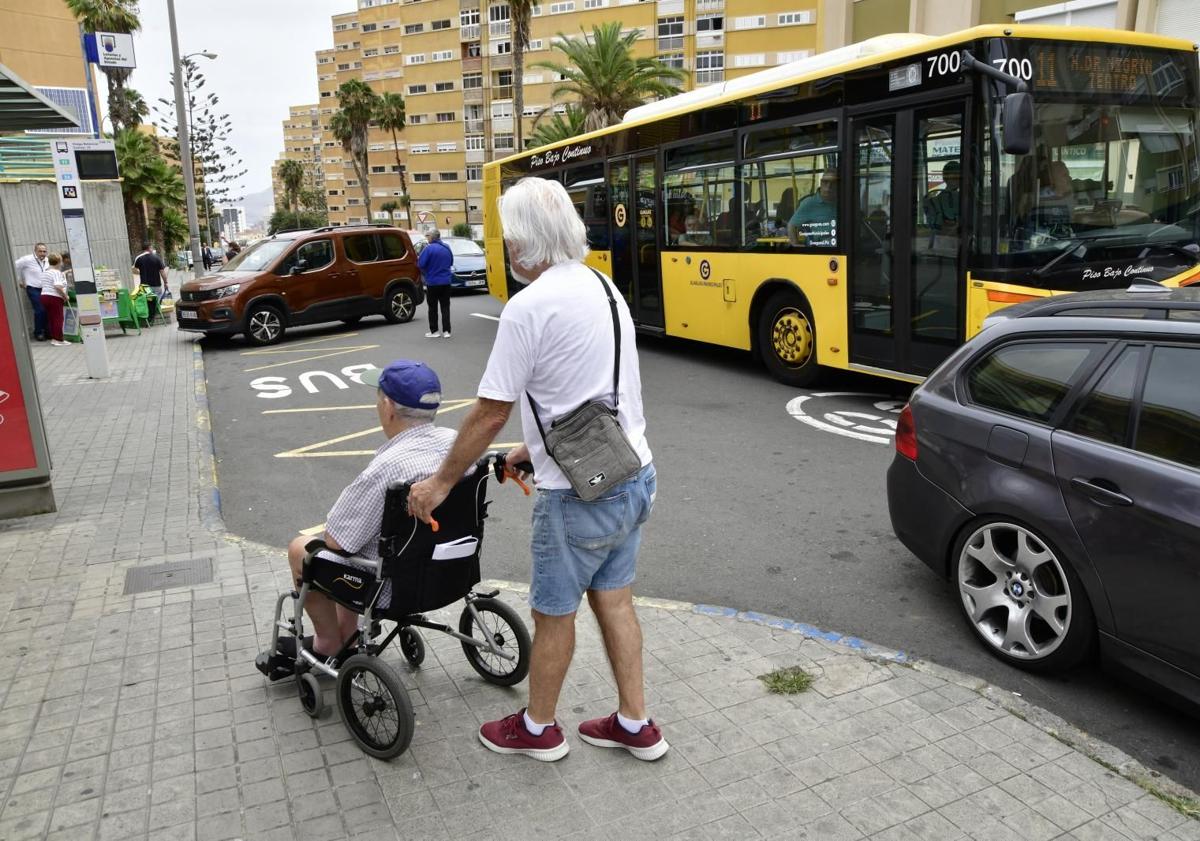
585, 184
700, 187
795, 170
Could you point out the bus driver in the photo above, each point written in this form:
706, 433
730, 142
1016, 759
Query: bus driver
815, 219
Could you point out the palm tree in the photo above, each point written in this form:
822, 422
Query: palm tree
164, 194
605, 78
137, 154
349, 125
127, 109
110, 16
390, 116
291, 174
521, 12
560, 126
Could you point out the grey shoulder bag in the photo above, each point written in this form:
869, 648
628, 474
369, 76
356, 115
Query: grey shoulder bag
588, 443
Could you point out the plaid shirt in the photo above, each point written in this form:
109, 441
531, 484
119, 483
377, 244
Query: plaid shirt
411, 456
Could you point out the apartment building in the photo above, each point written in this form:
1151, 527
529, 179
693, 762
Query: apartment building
451, 60
301, 142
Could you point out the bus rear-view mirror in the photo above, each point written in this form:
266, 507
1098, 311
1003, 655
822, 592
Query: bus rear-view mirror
1018, 123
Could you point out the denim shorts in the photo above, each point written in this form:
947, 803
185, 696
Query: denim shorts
580, 546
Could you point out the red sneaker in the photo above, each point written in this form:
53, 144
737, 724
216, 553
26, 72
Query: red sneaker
509, 735
648, 743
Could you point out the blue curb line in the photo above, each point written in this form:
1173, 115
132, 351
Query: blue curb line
802, 628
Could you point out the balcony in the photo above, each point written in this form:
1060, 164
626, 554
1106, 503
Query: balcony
474, 156
474, 189
467, 5
705, 40
501, 62
670, 7
500, 29
502, 125
470, 32
473, 126
472, 95
502, 92
472, 65
475, 217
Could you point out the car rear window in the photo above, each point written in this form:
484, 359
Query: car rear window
391, 247
361, 248
1029, 379
1104, 414
1169, 424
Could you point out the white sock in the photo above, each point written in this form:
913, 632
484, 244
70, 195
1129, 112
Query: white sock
533, 727
631, 725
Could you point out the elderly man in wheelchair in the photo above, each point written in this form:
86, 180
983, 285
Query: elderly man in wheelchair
376, 562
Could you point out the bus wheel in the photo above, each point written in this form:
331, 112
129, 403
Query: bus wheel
787, 339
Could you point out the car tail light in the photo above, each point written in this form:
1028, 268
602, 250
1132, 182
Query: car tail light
906, 434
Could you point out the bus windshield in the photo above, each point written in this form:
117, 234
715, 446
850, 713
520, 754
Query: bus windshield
1101, 172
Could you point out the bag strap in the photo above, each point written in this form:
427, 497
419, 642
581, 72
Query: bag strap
612, 306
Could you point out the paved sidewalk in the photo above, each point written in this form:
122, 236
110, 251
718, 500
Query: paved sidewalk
130, 717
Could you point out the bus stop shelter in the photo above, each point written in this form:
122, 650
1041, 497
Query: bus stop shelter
25, 486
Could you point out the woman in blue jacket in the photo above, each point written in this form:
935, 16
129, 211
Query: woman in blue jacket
436, 263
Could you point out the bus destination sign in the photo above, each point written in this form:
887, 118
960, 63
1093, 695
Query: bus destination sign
1084, 68
560, 156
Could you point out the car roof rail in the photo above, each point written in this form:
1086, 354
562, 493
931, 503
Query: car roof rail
1145, 284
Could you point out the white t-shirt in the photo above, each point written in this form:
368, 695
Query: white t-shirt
54, 284
555, 341
31, 270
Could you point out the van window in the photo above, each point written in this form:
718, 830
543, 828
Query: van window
317, 254
361, 248
391, 247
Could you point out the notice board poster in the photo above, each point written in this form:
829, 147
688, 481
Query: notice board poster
16, 442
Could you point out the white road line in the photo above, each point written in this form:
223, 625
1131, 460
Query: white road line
488, 317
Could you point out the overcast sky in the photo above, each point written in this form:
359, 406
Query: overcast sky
265, 63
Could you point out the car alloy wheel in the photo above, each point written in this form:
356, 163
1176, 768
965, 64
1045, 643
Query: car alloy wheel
402, 306
265, 326
1014, 591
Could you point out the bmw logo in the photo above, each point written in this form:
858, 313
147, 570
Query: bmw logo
1018, 589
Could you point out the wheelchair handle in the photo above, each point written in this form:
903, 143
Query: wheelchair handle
504, 471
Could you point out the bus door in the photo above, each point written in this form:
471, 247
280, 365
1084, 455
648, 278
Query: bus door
633, 209
908, 220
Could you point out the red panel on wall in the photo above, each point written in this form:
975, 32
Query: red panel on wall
16, 442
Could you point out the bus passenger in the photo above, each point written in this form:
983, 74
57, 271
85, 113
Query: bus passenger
941, 209
815, 220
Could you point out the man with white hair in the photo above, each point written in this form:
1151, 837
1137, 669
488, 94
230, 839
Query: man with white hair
408, 394
554, 351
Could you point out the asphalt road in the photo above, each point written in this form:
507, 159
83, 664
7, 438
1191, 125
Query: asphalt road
757, 509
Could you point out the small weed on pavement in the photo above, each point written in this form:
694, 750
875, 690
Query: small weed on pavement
790, 681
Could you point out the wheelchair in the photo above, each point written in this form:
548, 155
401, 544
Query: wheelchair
422, 567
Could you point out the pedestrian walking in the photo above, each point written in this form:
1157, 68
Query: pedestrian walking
30, 271
565, 349
436, 263
152, 271
54, 299
206, 257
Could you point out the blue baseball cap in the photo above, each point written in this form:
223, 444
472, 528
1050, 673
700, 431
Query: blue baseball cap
407, 382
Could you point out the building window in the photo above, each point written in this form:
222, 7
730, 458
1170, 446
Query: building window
474, 50
474, 173
413, 90
594, 4
750, 60
501, 47
391, 49
413, 28
750, 22
792, 18
370, 53
422, 177
448, 146
418, 119
535, 44
442, 87
710, 23
468, 17
471, 81
473, 142
672, 60
447, 176
793, 55
445, 117
504, 78
502, 141
378, 169
343, 67
440, 24
502, 110
561, 8
368, 27
415, 58
670, 34
442, 55
710, 67
418, 148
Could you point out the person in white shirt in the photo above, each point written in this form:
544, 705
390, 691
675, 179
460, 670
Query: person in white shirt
554, 350
54, 300
30, 271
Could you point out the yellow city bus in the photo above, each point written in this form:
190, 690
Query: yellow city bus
866, 208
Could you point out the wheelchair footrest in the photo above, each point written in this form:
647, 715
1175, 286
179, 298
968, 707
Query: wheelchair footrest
275, 665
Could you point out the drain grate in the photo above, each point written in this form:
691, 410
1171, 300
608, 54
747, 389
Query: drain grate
161, 576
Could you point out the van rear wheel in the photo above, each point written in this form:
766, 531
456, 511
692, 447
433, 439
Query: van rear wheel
400, 306
264, 325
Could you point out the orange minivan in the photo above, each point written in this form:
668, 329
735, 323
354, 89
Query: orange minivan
306, 277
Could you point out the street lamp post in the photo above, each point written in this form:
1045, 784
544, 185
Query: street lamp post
183, 132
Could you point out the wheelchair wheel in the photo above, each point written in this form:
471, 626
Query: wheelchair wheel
412, 646
310, 694
504, 627
374, 706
